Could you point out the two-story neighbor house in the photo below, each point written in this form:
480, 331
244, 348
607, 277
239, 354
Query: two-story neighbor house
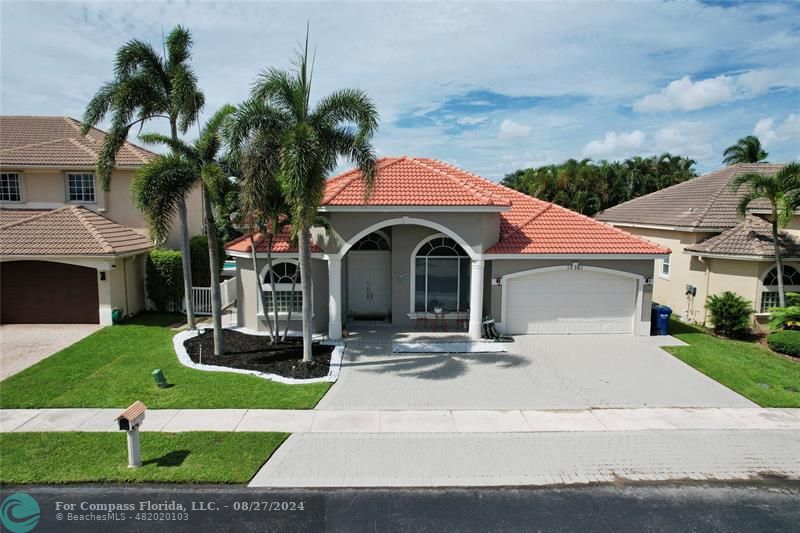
69, 251
713, 248
436, 244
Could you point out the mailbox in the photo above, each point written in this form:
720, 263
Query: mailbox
129, 421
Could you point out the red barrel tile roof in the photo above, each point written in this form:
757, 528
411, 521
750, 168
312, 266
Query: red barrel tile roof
281, 243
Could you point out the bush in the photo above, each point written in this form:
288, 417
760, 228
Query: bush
164, 278
198, 252
787, 342
730, 314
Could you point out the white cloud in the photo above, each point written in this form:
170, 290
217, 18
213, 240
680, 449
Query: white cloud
688, 95
513, 130
615, 144
769, 132
472, 121
691, 139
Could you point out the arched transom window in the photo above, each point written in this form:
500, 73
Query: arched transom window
769, 294
376, 241
441, 276
288, 292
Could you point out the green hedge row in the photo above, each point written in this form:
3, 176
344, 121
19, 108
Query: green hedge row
786, 341
164, 278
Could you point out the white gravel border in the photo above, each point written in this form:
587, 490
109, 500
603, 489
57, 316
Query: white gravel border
183, 357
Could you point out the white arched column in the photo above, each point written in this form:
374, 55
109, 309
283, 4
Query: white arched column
335, 298
476, 299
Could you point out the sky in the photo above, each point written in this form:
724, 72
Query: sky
488, 86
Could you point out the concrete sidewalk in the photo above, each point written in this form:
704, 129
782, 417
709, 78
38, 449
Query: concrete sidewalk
389, 422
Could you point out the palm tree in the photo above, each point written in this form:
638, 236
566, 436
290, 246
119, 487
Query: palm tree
161, 185
782, 191
746, 150
147, 87
311, 139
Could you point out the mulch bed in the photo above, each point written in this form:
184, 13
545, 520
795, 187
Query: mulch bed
254, 352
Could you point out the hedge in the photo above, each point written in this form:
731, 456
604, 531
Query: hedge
198, 251
786, 341
164, 278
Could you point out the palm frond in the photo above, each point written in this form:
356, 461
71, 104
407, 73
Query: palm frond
179, 45
98, 106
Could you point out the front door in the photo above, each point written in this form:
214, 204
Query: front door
369, 284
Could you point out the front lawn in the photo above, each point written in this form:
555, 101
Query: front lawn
753, 371
112, 368
194, 457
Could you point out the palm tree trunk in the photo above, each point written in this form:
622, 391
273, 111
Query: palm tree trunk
272, 288
186, 260
304, 245
259, 288
778, 260
213, 259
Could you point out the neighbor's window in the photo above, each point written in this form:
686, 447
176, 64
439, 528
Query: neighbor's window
9, 187
665, 267
769, 294
441, 276
284, 275
80, 187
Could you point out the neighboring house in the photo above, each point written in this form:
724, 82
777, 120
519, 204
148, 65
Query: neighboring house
434, 242
713, 249
70, 252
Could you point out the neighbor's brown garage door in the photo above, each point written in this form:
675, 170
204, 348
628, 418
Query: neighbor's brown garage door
41, 292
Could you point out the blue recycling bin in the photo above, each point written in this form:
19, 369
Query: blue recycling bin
659, 319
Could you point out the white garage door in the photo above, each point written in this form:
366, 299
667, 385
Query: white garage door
570, 301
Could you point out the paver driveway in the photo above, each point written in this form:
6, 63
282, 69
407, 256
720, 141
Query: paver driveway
537, 372
24, 345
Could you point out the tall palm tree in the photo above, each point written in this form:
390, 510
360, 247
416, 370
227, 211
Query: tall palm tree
746, 150
782, 191
311, 139
161, 185
147, 86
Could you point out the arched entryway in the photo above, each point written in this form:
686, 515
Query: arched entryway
369, 278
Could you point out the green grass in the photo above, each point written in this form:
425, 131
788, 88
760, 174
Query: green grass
112, 368
195, 457
745, 367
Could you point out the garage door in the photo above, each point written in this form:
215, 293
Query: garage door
41, 292
570, 302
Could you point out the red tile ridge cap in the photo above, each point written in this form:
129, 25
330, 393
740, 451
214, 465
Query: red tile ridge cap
345, 180
534, 216
488, 195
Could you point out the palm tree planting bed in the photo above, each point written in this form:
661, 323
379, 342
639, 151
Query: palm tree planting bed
254, 352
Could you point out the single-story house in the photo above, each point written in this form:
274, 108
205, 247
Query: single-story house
434, 242
713, 248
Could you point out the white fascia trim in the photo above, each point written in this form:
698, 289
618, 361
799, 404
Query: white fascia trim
739, 257
275, 255
688, 229
642, 257
415, 208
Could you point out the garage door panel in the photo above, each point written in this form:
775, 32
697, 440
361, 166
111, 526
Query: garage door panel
570, 302
44, 292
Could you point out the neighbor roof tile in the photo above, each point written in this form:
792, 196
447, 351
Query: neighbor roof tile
751, 237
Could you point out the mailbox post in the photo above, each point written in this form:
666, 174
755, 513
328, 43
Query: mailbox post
129, 421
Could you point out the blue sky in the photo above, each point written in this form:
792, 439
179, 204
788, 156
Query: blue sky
491, 87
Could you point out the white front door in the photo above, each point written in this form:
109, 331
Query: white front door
369, 283
570, 302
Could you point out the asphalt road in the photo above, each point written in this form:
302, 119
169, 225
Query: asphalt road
770, 506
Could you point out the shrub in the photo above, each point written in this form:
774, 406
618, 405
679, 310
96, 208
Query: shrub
730, 314
787, 342
198, 252
164, 278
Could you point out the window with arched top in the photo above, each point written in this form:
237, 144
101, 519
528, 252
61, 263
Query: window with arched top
285, 277
441, 276
375, 241
769, 293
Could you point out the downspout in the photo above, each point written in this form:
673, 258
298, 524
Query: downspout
125, 275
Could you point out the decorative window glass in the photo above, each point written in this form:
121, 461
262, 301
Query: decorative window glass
441, 276
665, 267
288, 291
769, 296
80, 187
373, 241
10, 190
